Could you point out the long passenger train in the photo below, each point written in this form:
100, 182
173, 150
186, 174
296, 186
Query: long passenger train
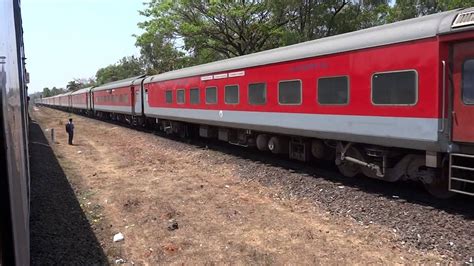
394, 102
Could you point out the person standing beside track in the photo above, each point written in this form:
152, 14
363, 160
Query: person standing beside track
70, 130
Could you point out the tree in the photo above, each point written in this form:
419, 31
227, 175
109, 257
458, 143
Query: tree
80, 83
159, 54
186, 32
125, 68
85, 82
46, 92
316, 19
159, 43
56, 91
229, 28
73, 85
180, 33
406, 9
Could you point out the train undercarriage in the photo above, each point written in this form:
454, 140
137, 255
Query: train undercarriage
451, 172
352, 159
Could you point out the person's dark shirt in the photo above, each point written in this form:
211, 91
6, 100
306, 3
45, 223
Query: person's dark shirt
70, 127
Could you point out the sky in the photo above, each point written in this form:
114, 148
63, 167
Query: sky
67, 39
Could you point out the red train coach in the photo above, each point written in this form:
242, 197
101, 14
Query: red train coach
62, 101
393, 102
121, 99
81, 100
55, 100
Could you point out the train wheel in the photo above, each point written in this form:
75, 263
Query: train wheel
439, 190
318, 149
439, 187
262, 142
435, 181
349, 169
278, 145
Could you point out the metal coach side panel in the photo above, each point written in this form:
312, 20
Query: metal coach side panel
80, 99
413, 126
14, 165
113, 100
117, 97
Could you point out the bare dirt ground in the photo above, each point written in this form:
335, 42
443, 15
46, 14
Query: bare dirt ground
177, 203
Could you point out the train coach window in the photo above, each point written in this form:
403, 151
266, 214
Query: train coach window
289, 92
333, 90
169, 96
468, 82
258, 93
395, 88
194, 95
211, 95
180, 96
231, 94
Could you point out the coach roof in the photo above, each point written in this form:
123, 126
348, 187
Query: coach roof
117, 84
84, 90
61, 95
403, 31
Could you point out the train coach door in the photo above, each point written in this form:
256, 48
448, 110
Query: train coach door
137, 100
463, 100
132, 99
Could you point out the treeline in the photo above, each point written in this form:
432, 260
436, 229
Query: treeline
182, 33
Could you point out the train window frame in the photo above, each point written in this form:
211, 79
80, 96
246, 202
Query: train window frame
462, 82
417, 85
198, 95
177, 96
238, 94
170, 93
265, 91
348, 90
301, 92
217, 95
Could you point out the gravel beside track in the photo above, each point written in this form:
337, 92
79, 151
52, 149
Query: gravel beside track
419, 220
60, 233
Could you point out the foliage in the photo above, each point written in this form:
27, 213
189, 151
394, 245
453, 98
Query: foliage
85, 82
406, 9
188, 32
228, 28
125, 68
73, 86
158, 45
182, 33
314, 19
46, 92
80, 83
56, 91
